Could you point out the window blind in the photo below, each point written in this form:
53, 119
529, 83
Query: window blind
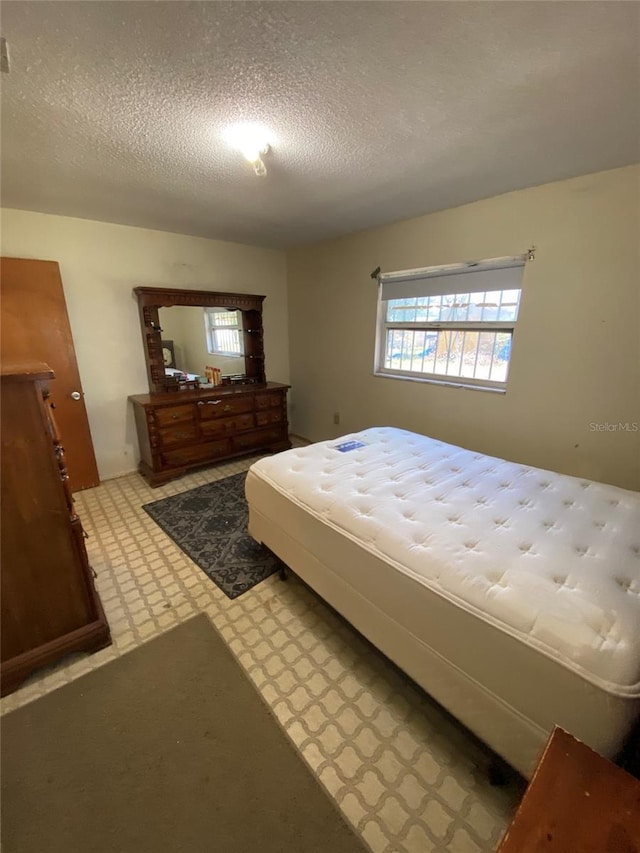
495, 274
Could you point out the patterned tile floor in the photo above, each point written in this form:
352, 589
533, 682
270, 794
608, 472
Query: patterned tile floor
407, 776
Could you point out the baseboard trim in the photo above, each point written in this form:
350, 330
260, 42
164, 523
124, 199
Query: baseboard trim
121, 474
300, 437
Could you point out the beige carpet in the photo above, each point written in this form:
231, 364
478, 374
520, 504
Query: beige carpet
168, 748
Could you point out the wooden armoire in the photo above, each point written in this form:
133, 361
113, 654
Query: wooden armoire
49, 603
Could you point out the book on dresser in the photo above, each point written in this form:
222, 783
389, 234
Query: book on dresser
49, 603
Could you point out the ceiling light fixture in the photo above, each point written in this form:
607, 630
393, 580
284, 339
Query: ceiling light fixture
252, 141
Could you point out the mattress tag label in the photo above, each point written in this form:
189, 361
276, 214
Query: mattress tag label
346, 446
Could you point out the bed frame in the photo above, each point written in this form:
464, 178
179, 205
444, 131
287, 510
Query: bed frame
488, 681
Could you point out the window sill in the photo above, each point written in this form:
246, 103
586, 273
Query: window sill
445, 382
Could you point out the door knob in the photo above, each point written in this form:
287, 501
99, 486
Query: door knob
76, 395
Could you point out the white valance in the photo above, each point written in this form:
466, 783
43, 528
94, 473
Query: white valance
472, 277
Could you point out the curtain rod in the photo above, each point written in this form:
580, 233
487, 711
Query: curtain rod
529, 255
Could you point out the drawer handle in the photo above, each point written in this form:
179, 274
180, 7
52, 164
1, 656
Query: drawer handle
213, 402
227, 408
174, 417
181, 435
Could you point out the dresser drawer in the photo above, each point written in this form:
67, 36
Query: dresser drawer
178, 431
222, 408
269, 416
267, 401
197, 453
227, 426
258, 438
170, 414
243, 423
215, 428
177, 434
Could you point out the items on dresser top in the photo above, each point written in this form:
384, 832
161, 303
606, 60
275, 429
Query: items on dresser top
49, 603
180, 431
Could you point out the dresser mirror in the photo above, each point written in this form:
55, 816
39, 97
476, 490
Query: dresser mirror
193, 338
185, 331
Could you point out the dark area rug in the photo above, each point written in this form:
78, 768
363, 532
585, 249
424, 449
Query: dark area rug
168, 749
210, 525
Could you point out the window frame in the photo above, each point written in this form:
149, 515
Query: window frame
211, 329
383, 326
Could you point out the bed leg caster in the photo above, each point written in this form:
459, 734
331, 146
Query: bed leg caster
283, 572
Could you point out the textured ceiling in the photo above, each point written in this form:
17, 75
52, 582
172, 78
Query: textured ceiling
381, 110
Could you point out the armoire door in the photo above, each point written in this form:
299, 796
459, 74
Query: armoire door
34, 326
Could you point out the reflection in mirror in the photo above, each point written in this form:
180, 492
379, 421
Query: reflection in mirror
193, 338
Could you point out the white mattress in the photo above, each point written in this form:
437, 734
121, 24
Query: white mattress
550, 559
509, 593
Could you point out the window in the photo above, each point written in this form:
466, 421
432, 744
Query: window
224, 332
450, 324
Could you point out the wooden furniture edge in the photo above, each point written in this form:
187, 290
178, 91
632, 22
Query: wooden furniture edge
30, 371
89, 638
166, 297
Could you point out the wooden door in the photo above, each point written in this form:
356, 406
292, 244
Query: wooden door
34, 326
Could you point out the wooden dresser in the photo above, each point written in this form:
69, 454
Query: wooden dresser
577, 802
184, 429
49, 603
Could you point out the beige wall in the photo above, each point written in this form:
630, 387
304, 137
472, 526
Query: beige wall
100, 264
576, 351
576, 356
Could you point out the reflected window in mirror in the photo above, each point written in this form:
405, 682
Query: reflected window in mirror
224, 332
168, 354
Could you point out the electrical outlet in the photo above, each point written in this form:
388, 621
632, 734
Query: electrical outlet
336, 417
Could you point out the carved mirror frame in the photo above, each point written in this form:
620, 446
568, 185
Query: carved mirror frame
151, 299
